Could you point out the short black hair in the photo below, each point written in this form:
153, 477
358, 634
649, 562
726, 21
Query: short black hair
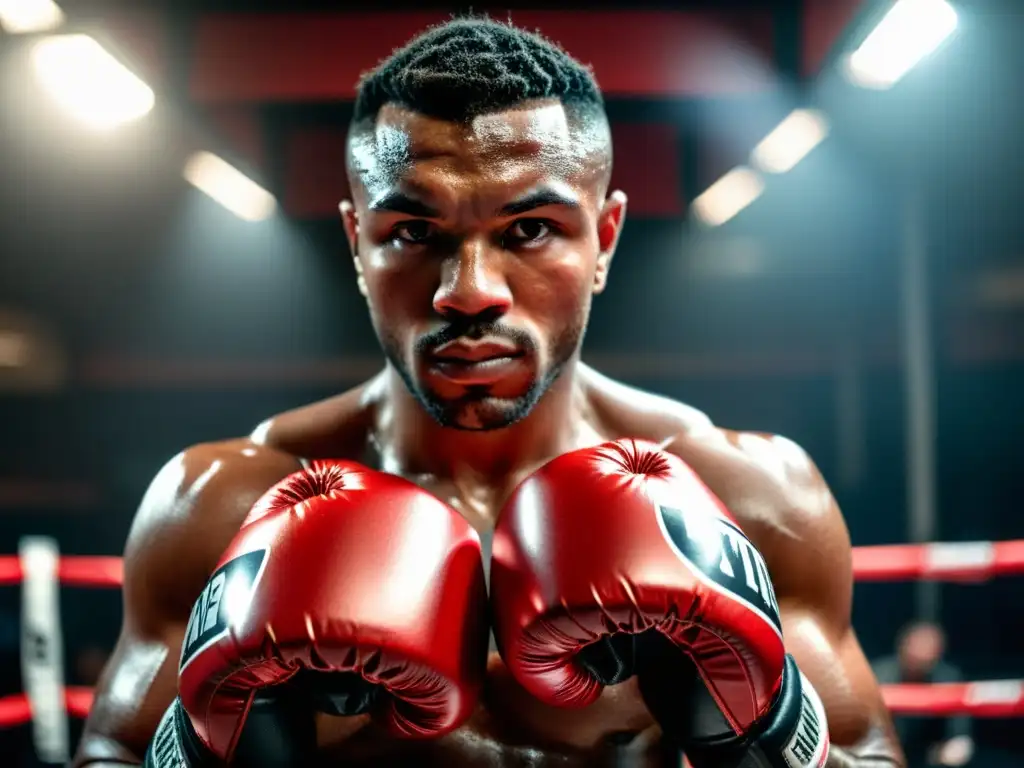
471, 66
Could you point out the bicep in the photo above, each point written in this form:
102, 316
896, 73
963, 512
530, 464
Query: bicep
810, 559
140, 680
136, 688
815, 599
836, 666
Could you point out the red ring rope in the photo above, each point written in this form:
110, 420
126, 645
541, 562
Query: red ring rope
73, 571
16, 710
961, 561
969, 561
998, 698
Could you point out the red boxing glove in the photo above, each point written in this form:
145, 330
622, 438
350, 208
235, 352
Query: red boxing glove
609, 542
341, 569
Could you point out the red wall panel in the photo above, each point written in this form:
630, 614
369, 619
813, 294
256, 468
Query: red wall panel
647, 168
823, 23
314, 181
284, 57
320, 57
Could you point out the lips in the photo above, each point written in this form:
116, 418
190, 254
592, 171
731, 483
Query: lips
475, 352
481, 362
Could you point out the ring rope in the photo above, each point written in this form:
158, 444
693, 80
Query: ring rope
16, 710
973, 561
42, 643
960, 561
996, 698
72, 571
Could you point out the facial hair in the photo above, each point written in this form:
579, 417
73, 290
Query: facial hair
477, 409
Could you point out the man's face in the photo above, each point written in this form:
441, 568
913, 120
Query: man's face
480, 246
921, 650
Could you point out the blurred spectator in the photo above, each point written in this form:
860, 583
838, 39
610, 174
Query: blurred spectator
927, 741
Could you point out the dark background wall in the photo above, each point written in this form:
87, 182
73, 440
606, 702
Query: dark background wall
167, 321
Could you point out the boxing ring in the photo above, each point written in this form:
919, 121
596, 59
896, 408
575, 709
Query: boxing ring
47, 704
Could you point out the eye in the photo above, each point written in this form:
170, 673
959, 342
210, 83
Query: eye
412, 232
528, 232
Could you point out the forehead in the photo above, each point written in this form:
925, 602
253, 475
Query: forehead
522, 144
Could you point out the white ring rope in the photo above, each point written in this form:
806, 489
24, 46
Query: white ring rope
42, 648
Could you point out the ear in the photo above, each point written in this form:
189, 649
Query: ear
350, 220
609, 226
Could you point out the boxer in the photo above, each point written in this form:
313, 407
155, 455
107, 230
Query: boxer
658, 584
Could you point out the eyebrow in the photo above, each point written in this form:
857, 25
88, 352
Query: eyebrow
539, 199
400, 202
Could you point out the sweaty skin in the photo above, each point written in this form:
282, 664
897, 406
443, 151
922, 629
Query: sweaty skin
498, 231
199, 499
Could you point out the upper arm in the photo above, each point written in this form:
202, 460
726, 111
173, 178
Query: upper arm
808, 553
140, 679
189, 515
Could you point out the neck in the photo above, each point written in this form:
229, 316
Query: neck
418, 444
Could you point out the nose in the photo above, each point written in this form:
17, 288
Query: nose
473, 282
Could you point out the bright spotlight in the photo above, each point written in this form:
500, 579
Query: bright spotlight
89, 83
229, 187
911, 30
728, 196
791, 141
19, 17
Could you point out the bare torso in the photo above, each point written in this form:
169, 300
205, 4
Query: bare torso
215, 484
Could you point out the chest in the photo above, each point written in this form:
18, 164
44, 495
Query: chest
510, 728
748, 500
508, 717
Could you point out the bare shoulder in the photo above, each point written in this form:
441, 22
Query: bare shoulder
774, 467
780, 499
621, 410
769, 483
199, 499
625, 411
336, 427
188, 516
777, 468
190, 512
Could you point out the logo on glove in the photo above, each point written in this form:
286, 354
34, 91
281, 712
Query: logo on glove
223, 601
166, 750
718, 552
809, 743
